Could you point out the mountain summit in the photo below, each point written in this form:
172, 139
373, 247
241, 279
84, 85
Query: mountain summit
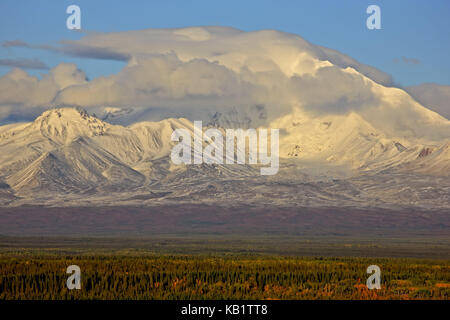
66, 124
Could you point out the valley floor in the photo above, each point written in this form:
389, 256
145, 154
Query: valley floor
207, 220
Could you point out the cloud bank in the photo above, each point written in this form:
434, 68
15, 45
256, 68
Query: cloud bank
211, 67
194, 71
23, 96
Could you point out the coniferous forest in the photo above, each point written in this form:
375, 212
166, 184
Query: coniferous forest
32, 276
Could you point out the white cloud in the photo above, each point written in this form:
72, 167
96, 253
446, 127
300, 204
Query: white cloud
193, 71
17, 87
23, 96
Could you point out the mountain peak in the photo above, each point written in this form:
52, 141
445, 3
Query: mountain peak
66, 124
66, 113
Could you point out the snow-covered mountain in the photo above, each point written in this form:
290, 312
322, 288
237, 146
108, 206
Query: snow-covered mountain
68, 156
347, 138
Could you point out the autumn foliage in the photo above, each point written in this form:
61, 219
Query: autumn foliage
236, 277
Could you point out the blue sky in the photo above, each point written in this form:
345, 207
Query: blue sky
415, 30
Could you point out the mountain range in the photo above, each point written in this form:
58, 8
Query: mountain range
69, 157
348, 138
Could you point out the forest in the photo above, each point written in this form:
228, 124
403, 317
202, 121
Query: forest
164, 276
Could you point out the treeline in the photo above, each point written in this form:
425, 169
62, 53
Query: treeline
195, 277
